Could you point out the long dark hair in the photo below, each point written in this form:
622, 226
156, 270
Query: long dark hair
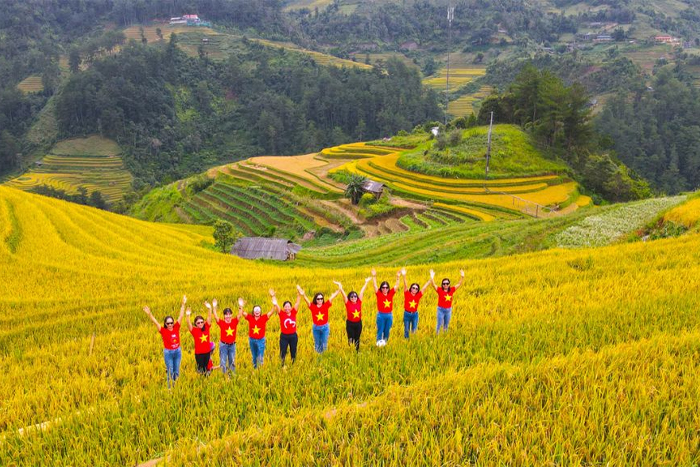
383, 284
285, 302
197, 318
165, 320
449, 285
353, 294
316, 296
416, 285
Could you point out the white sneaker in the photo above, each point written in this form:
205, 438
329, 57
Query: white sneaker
381, 343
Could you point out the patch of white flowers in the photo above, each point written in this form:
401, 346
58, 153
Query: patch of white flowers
605, 228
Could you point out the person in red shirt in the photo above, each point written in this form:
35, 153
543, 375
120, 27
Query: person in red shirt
289, 339
385, 307
227, 344
445, 296
411, 299
170, 333
353, 307
202, 341
257, 322
319, 316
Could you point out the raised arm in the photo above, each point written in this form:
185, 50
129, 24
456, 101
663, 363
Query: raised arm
296, 304
182, 309
150, 315
333, 295
213, 307
374, 280
461, 279
189, 321
240, 309
432, 280
362, 290
275, 305
301, 292
342, 292
241, 304
398, 279
209, 316
403, 273
425, 286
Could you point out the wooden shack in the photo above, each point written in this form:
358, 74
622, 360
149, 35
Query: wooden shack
279, 249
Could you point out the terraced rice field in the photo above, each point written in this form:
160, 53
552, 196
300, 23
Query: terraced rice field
306, 166
93, 163
134, 32
320, 58
459, 77
486, 200
465, 105
31, 84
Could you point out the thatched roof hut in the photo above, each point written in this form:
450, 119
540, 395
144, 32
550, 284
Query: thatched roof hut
280, 249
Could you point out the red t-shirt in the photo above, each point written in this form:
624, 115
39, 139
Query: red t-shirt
445, 298
410, 301
228, 330
319, 314
354, 310
288, 322
256, 327
385, 303
202, 341
171, 339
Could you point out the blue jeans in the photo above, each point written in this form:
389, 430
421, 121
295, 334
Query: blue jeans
227, 357
443, 318
173, 358
321, 334
257, 348
384, 322
410, 323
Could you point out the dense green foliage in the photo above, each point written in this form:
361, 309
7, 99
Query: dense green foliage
513, 155
178, 115
655, 131
559, 117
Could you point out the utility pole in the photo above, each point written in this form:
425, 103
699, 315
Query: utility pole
450, 17
488, 149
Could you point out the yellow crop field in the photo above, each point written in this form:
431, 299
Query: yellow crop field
473, 212
303, 166
465, 105
31, 84
687, 214
557, 357
320, 58
458, 77
91, 162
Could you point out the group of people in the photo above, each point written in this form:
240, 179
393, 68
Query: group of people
319, 307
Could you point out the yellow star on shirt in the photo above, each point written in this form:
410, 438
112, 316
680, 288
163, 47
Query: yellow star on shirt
203, 338
387, 303
448, 298
412, 304
319, 316
229, 332
355, 314
256, 329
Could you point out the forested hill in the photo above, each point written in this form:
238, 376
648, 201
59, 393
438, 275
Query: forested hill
180, 114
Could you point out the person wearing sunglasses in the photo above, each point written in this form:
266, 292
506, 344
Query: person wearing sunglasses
385, 307
170, 333
445, 299
289, 339
411, 299
319, 315
257, 322
227, 344
353, 307
202, 341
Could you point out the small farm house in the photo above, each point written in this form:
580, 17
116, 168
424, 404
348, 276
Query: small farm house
375, 188
280, 249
